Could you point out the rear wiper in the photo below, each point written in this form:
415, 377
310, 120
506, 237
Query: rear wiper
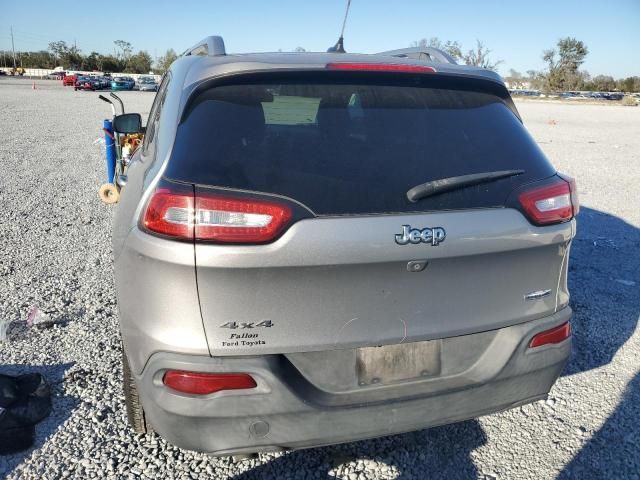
436, 187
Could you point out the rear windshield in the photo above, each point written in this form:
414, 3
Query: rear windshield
354, 148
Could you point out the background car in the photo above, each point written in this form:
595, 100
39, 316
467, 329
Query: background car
69, 79
105, 83
147, 84
101, 83
87, 83
122, 83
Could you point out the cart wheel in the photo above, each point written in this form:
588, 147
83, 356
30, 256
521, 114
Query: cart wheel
109, 193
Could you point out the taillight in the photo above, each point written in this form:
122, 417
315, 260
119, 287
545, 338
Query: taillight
231, 220
554, 335
215, 218
200, 383
170, 213
380, 67
574, 193
556, 202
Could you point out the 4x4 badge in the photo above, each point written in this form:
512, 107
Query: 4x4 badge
234, 325
434, 236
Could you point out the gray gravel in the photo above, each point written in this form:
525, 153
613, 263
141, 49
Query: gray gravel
56, 254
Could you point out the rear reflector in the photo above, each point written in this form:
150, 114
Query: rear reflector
551, 203
183, 215
199, 383
381, 67
555, 335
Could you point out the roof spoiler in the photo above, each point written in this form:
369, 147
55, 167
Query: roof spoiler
429, 54
212, 46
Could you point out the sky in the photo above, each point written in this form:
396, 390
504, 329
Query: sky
517, 31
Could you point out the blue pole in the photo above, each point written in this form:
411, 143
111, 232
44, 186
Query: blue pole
111, 150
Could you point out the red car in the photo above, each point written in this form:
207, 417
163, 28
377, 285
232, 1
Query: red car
69, 80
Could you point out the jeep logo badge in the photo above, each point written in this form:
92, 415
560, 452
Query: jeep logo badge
434, 236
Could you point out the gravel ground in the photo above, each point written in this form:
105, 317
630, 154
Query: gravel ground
56, 254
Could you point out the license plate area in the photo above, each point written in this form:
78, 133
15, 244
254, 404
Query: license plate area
397, 363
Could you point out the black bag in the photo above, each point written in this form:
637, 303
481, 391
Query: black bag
24, 401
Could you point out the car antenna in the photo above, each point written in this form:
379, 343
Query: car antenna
339, 46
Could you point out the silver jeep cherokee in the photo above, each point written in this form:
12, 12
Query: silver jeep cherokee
320, 248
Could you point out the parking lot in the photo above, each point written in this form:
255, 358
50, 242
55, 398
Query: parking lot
56, 254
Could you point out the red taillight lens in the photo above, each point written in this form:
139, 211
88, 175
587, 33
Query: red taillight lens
554, 335
380, 67
199, 383
184, 215
230, 220
551, 203
170, 213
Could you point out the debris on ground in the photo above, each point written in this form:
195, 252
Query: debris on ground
38, 318
25, 400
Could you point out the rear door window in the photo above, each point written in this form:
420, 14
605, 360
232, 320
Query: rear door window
354, 147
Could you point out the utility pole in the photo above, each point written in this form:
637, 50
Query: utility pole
14, 49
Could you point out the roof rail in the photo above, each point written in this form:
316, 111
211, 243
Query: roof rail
430, 54
212, 46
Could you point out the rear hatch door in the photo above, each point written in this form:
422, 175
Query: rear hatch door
360, 264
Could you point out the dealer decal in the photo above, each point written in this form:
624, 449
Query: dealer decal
245, 339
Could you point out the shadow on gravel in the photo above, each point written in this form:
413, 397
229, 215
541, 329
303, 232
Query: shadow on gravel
442, 452
604, 276
604, 280
614, 451
63, 405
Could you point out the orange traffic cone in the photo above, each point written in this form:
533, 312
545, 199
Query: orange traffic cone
33, 87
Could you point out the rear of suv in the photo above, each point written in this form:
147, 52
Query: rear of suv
319, 248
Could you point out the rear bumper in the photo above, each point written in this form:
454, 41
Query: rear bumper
280, 415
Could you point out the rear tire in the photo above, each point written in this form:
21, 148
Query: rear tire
243, 456
135, 413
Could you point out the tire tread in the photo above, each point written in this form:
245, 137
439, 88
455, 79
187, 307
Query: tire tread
135, 412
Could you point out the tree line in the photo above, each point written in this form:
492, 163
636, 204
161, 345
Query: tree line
70, 57
478, 56
562, 72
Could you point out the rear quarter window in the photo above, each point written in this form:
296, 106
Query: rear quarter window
154, 114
